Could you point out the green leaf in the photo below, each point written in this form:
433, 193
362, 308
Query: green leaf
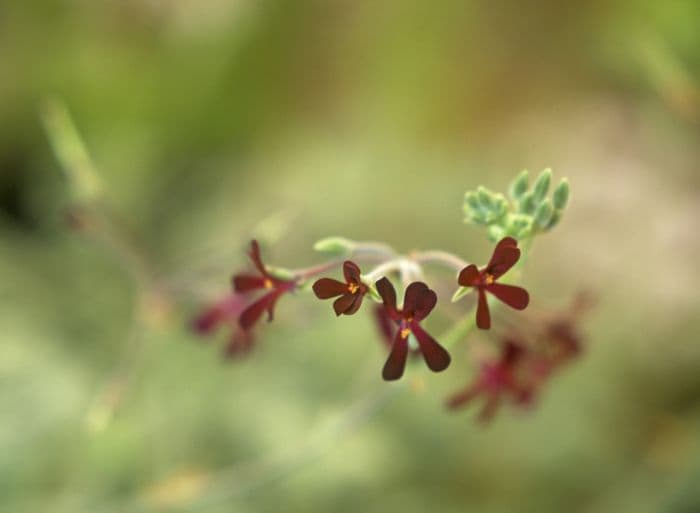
542, 185
460, 293
561, 195
519, 186
71, 152
334, 245
543, 214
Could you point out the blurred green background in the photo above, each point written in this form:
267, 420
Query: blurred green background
210, 121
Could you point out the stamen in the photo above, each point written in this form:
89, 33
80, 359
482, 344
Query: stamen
489, 279
352, 287
405, 333
268, 283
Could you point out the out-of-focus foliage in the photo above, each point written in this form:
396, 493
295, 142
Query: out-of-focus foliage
209, 121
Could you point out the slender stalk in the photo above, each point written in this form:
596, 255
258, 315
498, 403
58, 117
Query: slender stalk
444, 258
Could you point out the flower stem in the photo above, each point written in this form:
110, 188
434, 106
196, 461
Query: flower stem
444, 258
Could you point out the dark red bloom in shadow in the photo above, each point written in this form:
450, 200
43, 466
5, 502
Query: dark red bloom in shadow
351, 292
226, 311
385, 325
506, 378
505, 256
263, 281
418, 302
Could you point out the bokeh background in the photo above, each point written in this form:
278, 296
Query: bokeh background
211, 121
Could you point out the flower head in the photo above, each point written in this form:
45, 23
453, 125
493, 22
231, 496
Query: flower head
505, 256
418, 302
226, 311
351, 292
263, 281
508, 377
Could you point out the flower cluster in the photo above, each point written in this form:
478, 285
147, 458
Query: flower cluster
527, 361
519, 371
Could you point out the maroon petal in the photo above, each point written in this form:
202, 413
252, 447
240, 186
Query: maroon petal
384, 323
254, 255
240, 344
425, 304
326, 288
516, 297
505, 255
344, 303
252, 314
411, 296
469, 276
356, 304
351, 272
208, 320
247, 282
483, 317
506, 242
512, 352
490, 408
388, 293
395, 364
436, 356
464, 397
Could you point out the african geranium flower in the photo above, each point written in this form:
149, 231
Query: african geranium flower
505, 256
264, 281
351, 292
418, 302
507, 377
226, 311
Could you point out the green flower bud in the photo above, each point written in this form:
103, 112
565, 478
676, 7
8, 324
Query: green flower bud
527, 203
543, 214
334, 245
471, 201
477, 217
460, 293
561, 195
500, 206
485, 196
518, 187
542, 185
496, 233
520, 226
554, 220
280, 272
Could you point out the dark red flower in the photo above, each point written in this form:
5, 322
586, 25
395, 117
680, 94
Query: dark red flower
418, 302
226, 311
351, 292
240, 343
505, 256
506, 378
385, 325
263, 281
563, 340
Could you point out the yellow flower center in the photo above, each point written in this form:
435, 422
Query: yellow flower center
268, 283
405, 333
352, 287
489, 279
